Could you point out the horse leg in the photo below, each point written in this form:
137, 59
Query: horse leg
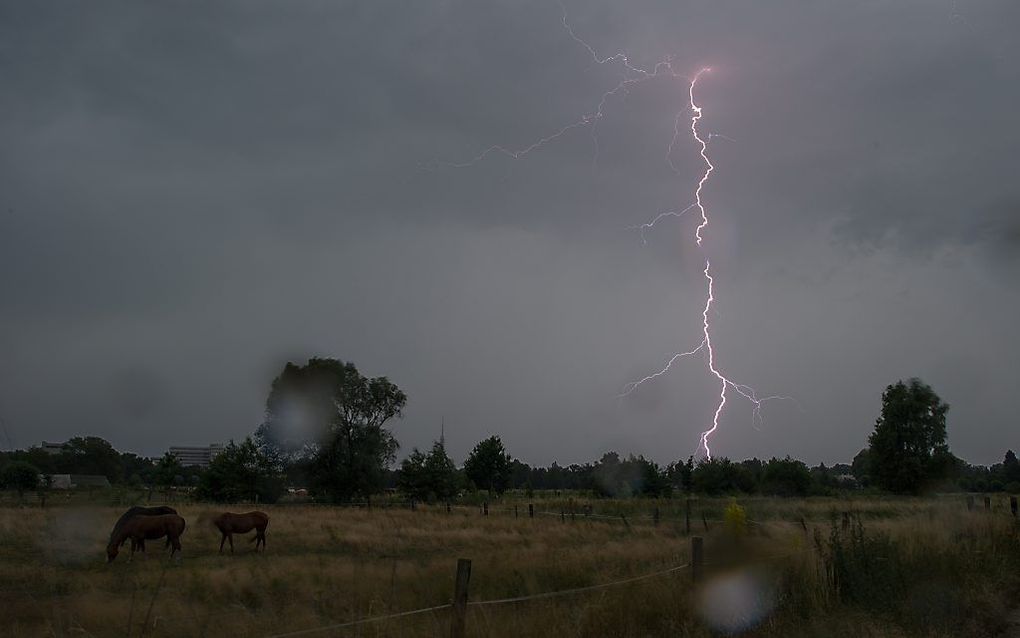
222, 540
230, 537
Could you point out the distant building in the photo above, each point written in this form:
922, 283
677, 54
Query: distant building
199, 456
73, 481
52, 448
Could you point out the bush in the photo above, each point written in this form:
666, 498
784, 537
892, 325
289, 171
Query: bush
735, 519
20, 476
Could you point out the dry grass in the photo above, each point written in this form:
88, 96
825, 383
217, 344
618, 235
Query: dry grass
329, 565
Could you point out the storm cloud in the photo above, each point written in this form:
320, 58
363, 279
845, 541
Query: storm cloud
193, 194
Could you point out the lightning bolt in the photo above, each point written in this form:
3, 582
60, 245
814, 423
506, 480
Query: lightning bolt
634, 75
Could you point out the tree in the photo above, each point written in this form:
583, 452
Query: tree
861, 467
1011, 468
908, 448
428, 476
167, 469
786, 477
328, 412
687, 475
488, 465
441, 472
721, 476
241, 473
91, 455
20, 476
653, 478
411, 478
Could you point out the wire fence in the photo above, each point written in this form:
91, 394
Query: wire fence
521, 599
480, 603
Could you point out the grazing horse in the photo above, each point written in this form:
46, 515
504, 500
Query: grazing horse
140, 511
141, 528
230, 524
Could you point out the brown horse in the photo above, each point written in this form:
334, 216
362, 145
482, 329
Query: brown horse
141, 511
140, 528
230, 524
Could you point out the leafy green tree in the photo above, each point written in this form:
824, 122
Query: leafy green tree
653, 479
441, 471
241, 473
328, 412
861, 467
426, 477
721, 476
488, 466
1010, 468
167, 470
412, 478
908, 450
20, 476
136, 469
520, 475
91, 455
786, 477
613, 477
679, 473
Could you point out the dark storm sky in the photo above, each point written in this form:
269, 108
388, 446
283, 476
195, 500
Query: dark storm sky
192, 194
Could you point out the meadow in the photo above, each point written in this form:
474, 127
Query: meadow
865, 566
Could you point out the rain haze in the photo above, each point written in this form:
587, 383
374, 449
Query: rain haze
191, 198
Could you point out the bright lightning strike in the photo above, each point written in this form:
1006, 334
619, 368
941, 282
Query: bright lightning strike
635, 75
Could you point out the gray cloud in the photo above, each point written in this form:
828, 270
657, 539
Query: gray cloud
193, 195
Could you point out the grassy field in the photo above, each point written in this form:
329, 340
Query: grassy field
893, 567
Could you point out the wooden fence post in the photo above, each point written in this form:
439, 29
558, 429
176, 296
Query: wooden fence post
563, 517
687, 517
460, 598
697, 558
655, 516
1012, 505
531, 510
485, 508
447, 507
515, 510
988, 503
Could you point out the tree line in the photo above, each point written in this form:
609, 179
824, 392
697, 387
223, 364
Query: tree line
326, 429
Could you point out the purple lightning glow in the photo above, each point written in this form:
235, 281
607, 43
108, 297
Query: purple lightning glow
634, 75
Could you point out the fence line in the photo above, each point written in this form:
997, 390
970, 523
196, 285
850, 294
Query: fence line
578, 590
479, 603
362, 621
